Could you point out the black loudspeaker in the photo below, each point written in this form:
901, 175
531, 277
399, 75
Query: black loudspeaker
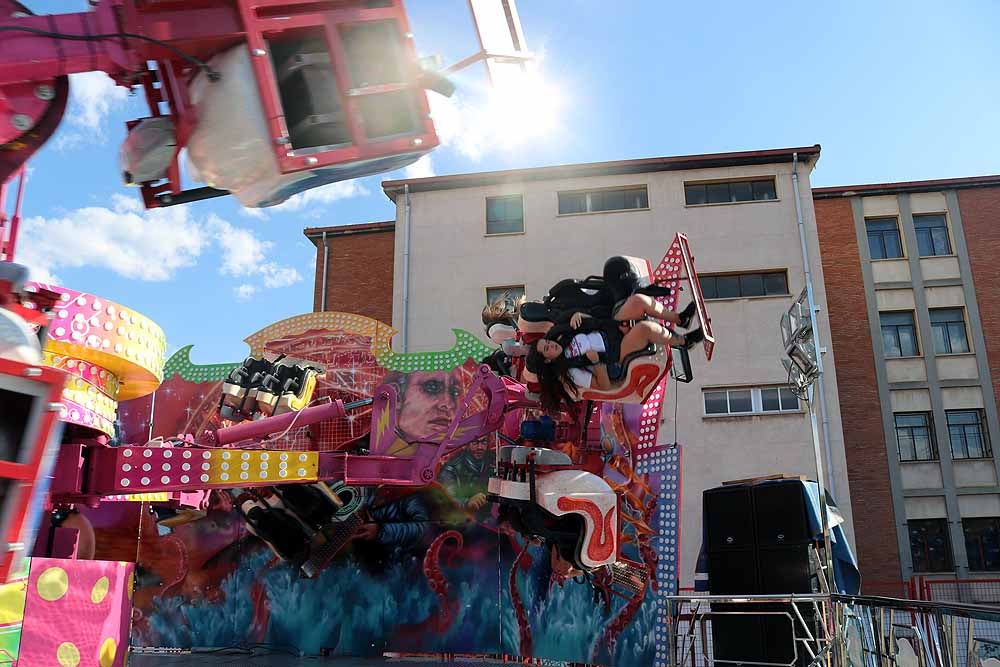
737, 634
758, 539
729, 517
785, 570
780, 514
759, 633
733, 572
758, 542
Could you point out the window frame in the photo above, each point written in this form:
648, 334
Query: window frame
950, 565
916, 335
984, 435
948, 324
934, 453
969, 551
899, 238
487, 214
587, 192
764, 273
728, 182
756, 401
503, 288
947, 232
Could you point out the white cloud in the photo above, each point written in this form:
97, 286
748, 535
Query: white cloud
145, 245
126, 204
279, 276
255, 213
244, 292
453, 125
242, 252
422, 168
92, 97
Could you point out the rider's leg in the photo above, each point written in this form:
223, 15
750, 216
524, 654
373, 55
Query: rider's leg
638, 306
646, 332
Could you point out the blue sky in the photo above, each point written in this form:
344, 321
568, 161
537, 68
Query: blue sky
892, 91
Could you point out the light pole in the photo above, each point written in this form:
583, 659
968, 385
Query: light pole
803, 364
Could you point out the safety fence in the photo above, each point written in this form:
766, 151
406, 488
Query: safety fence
834, 631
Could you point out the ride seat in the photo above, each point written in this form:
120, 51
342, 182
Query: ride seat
643, 371
533, 311
15, 275
574, 510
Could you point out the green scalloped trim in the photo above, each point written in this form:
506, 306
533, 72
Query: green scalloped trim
180, 364
466, 346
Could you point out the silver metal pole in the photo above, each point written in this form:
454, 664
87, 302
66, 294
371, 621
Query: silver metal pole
152, 415
326, 260
824, 515
817, 384
406, 270
813, 309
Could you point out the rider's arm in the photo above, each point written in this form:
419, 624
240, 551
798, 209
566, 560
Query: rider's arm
600, 381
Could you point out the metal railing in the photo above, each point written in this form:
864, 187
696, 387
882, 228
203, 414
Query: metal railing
730, 630
833, 631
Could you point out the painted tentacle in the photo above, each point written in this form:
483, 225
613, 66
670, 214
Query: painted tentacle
523, 625
436, 579
618, 625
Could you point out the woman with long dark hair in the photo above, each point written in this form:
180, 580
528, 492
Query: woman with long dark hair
579, 353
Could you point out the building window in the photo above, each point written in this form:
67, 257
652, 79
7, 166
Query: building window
594, 201
511, 294
930, 547
504, 215
750, 400
732, 286
915, 437
883, 238
932, 235
948, 326
778, 399
968, 434
696, 194
982, 543
899, 334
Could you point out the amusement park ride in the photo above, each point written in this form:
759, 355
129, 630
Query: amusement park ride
268, 98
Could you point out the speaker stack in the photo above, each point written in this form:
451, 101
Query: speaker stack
759, 543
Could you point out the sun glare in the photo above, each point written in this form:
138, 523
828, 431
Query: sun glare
514, 112
523, 109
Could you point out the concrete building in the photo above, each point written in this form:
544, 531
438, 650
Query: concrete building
473, 236
912, 278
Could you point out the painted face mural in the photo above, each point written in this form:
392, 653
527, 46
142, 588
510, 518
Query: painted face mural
428, 403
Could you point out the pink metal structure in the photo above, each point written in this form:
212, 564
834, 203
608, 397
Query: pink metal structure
161, 45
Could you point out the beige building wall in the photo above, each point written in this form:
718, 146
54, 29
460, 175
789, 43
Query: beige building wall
452, 261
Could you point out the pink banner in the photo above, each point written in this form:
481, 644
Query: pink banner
77, 613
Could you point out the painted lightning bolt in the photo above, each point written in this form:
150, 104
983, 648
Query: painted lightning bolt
383, 423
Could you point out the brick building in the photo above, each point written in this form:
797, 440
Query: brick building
354, 268
913, 281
